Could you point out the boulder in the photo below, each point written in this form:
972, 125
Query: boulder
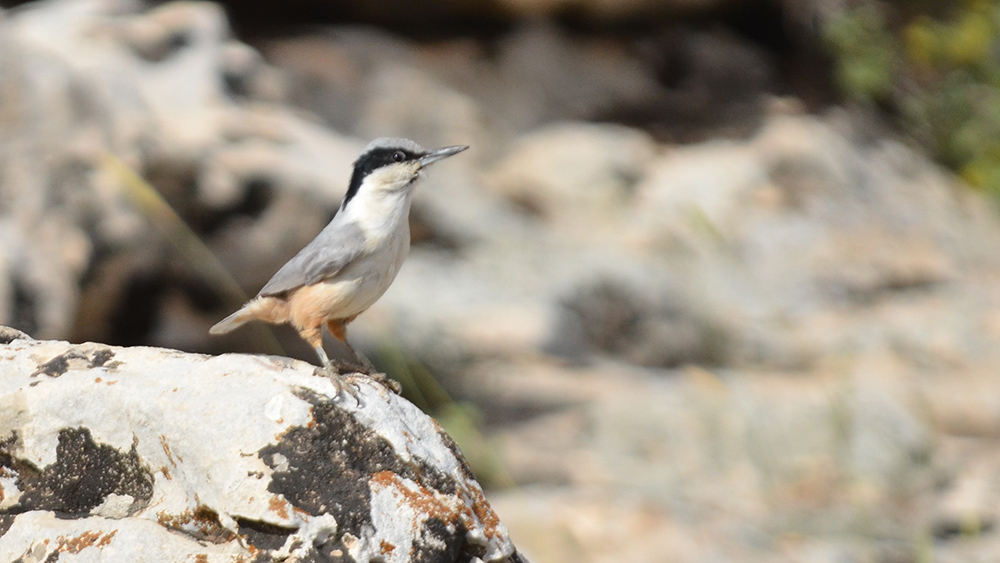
148, 454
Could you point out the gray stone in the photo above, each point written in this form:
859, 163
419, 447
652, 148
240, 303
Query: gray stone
578, 177
137, 453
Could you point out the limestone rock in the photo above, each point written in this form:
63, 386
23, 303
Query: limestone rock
577, 176
146, 454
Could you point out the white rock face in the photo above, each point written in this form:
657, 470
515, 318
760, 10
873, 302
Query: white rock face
578, 176
145, 454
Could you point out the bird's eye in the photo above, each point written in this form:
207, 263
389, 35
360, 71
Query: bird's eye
398, 156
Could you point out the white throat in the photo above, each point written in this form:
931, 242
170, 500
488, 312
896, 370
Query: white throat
380, 213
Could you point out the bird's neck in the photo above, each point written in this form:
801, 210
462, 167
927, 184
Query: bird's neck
381, 215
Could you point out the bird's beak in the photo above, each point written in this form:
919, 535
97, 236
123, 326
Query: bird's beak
437, 154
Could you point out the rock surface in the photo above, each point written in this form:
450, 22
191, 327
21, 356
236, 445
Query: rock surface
145, 454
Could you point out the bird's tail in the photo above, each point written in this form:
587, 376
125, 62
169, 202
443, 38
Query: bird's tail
232, 322
268, 309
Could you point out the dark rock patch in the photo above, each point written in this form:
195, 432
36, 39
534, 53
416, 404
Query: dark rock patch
6, 521
262, 535
438, 543
82, 477
101, 357
59, 364
330, 464
8, 335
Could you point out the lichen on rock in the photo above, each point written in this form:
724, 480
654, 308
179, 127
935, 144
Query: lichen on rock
227, 458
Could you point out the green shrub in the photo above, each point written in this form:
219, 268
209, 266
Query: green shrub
937, 71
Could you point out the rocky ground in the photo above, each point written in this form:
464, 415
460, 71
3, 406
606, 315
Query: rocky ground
695, 321
127, 454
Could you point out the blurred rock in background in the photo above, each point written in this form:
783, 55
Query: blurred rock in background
704, 309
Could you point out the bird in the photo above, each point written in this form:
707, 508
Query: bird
354, 259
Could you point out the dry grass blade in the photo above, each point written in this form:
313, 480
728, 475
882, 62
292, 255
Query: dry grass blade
188, 244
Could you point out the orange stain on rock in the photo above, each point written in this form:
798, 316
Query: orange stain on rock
470, 509
279, 506
386, 547
420, 498
93, 538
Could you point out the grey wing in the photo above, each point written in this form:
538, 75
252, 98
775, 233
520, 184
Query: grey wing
334, 247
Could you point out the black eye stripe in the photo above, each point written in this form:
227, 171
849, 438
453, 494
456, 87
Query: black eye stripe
377, 158
372, 161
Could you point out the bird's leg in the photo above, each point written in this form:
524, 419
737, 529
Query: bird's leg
314, 336
327, 364
338, 328
366, 364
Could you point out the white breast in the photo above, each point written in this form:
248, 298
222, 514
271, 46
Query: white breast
366, 279
383, 217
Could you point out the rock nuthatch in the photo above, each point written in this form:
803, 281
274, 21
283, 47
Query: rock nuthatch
355, 258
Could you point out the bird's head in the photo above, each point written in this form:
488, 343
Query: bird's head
390, 165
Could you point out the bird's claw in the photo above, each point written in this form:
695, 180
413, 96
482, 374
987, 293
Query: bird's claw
345, 378
366, 369
343, 381
347, 386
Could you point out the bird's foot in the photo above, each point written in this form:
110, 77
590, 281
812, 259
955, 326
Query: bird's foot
344, 376
342, 379
370, 372
364, 367
386, 381
345, 368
